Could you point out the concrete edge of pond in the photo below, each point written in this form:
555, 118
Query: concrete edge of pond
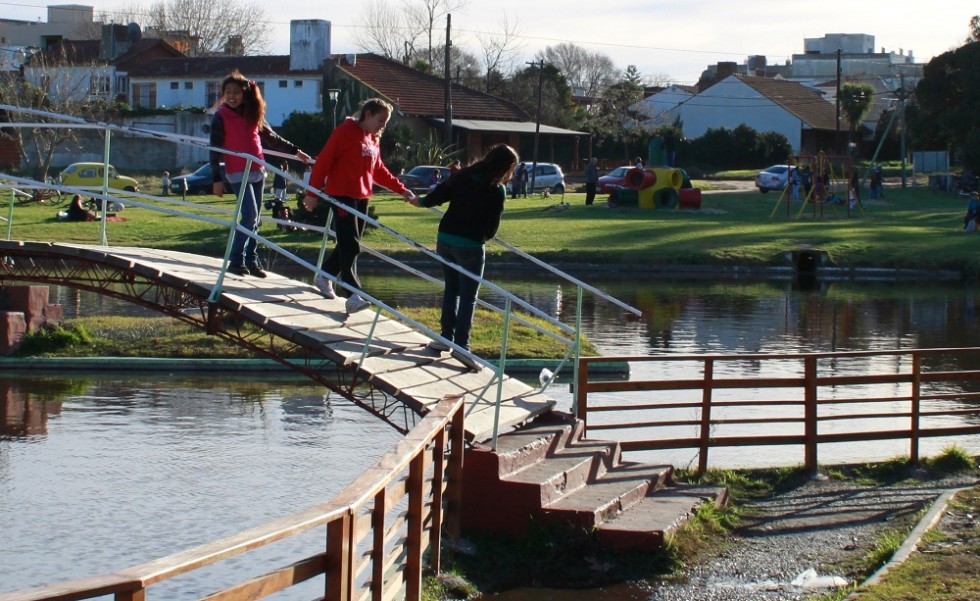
514, 366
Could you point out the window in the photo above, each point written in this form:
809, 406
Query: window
175, 85
188, 85
212, 93
298, 83
145, 95
99, 85
283, 83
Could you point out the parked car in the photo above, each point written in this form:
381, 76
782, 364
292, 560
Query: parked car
199, 182
610, 181
89, 175
419, 178
774, 177
545, 175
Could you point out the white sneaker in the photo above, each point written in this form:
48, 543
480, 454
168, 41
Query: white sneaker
325, 286
355, 303
468, 361
438, 345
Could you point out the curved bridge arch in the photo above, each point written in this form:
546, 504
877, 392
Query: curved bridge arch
378, 363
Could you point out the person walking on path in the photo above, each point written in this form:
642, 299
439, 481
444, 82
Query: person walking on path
165, 184
239, 125
476, 198
347, 169
591, 181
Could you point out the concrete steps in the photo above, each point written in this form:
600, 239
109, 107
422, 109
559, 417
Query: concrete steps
546, 472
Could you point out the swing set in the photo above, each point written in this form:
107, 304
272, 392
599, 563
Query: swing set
820, 181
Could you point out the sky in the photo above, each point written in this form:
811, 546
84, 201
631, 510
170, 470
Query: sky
672, 40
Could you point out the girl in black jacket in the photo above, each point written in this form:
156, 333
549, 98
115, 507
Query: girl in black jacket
476, 197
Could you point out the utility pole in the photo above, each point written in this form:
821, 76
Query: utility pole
903, 94
537, 123
837, 126
447, 134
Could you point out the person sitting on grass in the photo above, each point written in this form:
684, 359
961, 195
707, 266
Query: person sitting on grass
76, 212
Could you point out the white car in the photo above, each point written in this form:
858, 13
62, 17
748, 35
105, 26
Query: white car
774, 177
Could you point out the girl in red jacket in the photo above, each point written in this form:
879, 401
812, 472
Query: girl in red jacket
347, 169
239, 124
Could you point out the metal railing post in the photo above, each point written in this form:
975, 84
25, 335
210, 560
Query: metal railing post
235, 215
103, 239
500, 373
577, 345
10, 214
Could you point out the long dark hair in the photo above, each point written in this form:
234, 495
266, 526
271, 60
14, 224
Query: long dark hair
253, 105
494, 165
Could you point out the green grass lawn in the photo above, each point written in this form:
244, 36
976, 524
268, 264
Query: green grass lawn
910, 228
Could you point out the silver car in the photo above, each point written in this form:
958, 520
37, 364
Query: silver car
544, 175
774, 177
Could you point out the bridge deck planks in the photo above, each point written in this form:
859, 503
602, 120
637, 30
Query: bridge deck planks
397, 361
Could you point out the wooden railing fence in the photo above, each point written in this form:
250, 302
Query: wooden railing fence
809, 399
382, 531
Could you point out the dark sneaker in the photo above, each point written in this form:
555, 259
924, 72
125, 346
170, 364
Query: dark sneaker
257, 271
238, 270
438, 346
468, 361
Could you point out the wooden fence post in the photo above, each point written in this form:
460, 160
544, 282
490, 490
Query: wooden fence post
916, 407
810, 413
709, 371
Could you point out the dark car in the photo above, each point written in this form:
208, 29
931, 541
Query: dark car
419, 178
199, 182
610, 181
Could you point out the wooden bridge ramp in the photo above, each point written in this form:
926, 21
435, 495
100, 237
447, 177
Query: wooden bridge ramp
397, 361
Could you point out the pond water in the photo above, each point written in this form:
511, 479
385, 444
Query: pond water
101, 471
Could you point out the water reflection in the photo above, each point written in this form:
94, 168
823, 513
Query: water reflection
102, 472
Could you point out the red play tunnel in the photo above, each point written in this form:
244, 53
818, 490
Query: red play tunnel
638, 179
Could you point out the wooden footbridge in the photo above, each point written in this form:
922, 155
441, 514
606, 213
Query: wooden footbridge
385, 529
376, 361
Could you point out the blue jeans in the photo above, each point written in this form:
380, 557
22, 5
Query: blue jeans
459, 296
243, 248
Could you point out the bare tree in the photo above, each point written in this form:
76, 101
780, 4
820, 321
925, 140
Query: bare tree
51, 84
466, 68
424, 15
498, 51
384, 30
584, 70
208, 27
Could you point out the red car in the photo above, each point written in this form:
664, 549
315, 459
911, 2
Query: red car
616, 177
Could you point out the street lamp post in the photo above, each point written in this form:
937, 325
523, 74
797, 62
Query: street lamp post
333, 94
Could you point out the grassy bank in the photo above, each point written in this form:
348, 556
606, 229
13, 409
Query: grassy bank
911, 228
115, 336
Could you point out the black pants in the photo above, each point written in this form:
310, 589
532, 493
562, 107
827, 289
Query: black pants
589, 192
342, 261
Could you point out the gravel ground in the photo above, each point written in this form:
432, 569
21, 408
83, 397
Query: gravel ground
821, 526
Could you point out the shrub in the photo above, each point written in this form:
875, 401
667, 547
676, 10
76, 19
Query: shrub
52, 339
